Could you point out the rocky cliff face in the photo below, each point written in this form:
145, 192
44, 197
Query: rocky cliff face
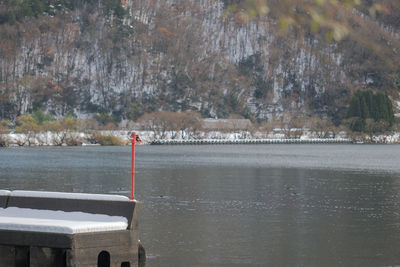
95, 57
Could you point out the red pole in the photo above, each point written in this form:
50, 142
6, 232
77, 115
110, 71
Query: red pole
134, 138
133, 141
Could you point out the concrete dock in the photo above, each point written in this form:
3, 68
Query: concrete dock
54, 229
251, 141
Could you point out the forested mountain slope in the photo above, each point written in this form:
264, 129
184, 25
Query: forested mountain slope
129, 57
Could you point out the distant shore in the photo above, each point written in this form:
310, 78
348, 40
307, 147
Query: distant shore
121, 138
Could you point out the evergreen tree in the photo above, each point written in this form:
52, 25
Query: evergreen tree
367, 105
354, 109
11, 18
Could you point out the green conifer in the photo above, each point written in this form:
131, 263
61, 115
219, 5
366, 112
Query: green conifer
365, 105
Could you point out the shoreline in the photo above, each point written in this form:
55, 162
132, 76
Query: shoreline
121, 138
252, 141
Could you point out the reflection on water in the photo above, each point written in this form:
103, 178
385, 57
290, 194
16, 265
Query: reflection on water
270, 205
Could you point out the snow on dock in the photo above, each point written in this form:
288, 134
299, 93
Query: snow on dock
4, 193
63, 195
50, 221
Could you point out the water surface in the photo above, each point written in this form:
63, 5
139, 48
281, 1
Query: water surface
243, 205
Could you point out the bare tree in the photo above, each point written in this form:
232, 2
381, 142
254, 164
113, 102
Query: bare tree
189, 123
4, 130
63, 130
27, 126
159, 122
322, 128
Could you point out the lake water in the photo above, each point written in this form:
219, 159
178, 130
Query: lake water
255, 205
